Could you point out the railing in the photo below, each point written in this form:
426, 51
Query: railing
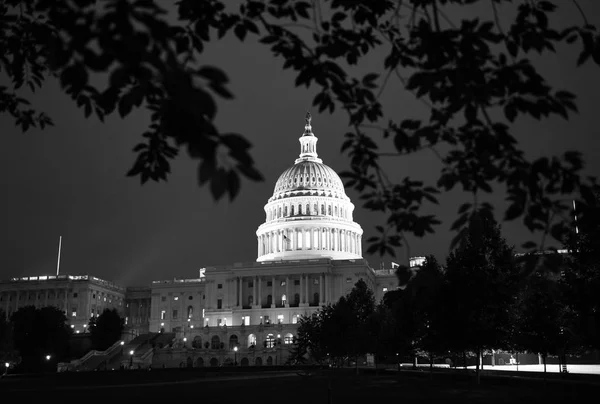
81, 361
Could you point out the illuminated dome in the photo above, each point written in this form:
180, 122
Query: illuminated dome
309, 214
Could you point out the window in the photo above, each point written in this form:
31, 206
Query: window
251, 284
270, 341
267, 320
316, 298
282, 283
233, 341
385, 290
75, 294
190, 311
174, 314
251, 340
269, 300
190, 297
219, 303
283, 299
348, 280
295, 319
215, 342
74, 312
219, 322
94, 296
297, 299
280, 318
176, 298
288, 339
250, 300
163, 314
246, 320
297, 282
269, 283
219, 286
315, 281
105, 299
163, 298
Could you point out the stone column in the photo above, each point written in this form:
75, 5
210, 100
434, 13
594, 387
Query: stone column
321, 290
287, 291
254, 290
326, 288
273, 299
259, 291
301, 290
306, 290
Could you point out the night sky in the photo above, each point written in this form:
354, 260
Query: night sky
70, 179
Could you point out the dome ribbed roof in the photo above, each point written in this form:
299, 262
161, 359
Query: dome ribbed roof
309, 176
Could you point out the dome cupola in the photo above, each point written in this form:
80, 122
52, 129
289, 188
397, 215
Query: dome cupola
309, 214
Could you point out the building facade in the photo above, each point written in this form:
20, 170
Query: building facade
309, 254
80, 297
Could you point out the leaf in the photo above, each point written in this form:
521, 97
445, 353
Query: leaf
213, 74
240, 32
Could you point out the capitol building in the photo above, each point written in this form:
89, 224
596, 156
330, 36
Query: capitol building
309, 254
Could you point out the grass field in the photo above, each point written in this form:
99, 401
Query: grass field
288, 387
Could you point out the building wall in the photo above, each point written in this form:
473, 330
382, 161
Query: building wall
79, 297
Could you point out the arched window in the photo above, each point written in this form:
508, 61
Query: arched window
215, 342
190, 311
316, 298
297, 299
292, 210
299, 209
197, 342
250, 300
322, 209
288, 339
270, 341
316, 209
233, 341
283, 299
329, 210
269, 300
251, 340
307, 209
336, 211
279, 212
285, 211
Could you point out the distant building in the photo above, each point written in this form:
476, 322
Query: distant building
80, 297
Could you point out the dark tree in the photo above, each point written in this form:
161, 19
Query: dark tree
41, 336
8, 354
475, 77
106, 329
581, 274
542, 313
480, 291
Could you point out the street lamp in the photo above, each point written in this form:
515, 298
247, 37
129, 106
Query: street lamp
131, 359
48, 357
6, 366
397, 361
235, 348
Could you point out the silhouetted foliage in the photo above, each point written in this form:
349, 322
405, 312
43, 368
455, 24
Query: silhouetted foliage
106, 329
339, 331
542, 314
480, 291
475, 76
38, 333
7, 350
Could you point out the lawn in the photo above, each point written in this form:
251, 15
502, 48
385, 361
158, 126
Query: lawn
288, 387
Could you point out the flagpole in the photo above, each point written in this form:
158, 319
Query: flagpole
58, 261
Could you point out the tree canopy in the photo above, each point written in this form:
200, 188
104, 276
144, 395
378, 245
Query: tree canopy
38, 334
476, 77
106, 329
